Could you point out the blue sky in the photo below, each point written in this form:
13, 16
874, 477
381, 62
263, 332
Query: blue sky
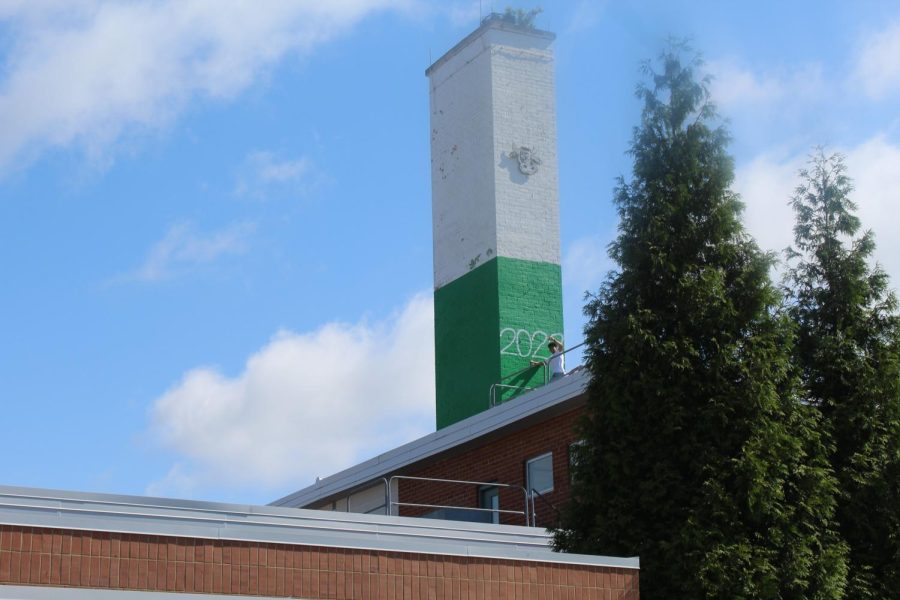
215, 237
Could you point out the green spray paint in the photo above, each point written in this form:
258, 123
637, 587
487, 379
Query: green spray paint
490, 323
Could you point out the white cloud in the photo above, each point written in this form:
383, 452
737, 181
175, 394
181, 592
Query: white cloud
306, 404
878, 62
272, 170
182, 249
176, 483
875, 169
85, 73
737, 86
767, 183
264, 173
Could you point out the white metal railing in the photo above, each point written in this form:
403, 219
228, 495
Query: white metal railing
526, 513
544, 366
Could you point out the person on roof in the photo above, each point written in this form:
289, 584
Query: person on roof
557, 361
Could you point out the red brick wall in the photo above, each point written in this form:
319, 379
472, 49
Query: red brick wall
501, 460
54, 557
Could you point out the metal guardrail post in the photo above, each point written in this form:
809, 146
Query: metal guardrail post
527, 511
533, 511
553, 507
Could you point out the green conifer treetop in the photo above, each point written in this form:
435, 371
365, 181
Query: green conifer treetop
848, 351
698, 457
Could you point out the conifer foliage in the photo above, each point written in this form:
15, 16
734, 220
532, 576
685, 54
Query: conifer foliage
848, 351
698, 456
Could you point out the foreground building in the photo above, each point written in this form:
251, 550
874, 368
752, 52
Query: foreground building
65, 545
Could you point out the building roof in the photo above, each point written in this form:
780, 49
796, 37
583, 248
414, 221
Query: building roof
29, 507
538, 404
491, 22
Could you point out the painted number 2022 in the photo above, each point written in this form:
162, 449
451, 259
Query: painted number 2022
524, 343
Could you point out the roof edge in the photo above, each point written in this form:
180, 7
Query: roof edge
486, 25
53, 509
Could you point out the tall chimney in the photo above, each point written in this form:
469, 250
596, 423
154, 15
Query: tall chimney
495, 213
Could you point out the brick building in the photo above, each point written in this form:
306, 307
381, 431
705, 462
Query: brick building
516, 443
64, 545
489, 479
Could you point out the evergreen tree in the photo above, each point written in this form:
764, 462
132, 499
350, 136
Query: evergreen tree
698, 457
848, 352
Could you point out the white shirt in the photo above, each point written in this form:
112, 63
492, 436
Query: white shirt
557, 364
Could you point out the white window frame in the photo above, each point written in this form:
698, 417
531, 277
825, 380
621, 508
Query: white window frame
528, 464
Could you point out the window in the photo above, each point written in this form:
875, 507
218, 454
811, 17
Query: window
539, 473
489, 497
